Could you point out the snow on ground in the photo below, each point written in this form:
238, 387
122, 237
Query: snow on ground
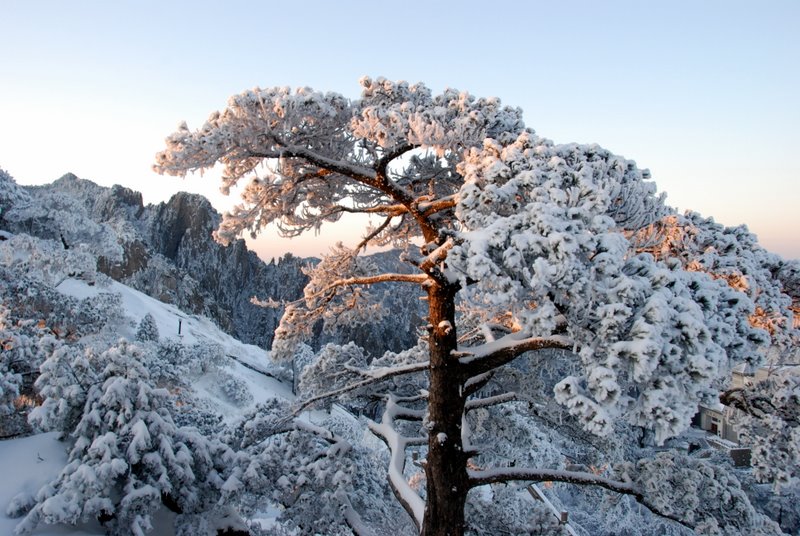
26, 464
193, 328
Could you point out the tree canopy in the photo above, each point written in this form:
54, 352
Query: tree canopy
520, 246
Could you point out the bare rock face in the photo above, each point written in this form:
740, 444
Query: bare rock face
134, 259
188, 268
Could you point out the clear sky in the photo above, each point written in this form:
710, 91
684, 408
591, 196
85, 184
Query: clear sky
703, 93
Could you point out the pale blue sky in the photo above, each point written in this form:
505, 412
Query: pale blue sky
703, 93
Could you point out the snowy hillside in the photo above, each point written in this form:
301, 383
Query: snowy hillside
243, 358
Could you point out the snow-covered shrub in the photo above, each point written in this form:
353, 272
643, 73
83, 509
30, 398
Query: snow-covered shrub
169, 363
47, 260
234, 389
194, 412
9, 388
24, 345
206, 356
128, 457
148, 329
322, 482
20, 505
333, 368
10, 348
63, 383
103, 310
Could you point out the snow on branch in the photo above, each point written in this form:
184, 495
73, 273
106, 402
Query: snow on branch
581, 478
432, 207
392, 154
349, 282
358, 173
490, 401
374, 376
408, 498
488, 356
436, 256
506, 474
370, 280
339, 444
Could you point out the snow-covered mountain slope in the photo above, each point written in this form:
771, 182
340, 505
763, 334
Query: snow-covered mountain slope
245, 361
27, 463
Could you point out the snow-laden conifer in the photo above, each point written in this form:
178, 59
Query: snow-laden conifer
128, 458
520, 246
148, 329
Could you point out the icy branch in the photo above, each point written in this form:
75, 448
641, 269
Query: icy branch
506, 474
476, 383
359, 173
378, 230
436, 256
430, 208
351, 281
353, 518
340, 444
392, 154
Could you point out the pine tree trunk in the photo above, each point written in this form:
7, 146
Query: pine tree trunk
446, 468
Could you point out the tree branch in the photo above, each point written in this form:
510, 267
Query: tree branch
358, 173
387, 210
381, 374
390, 155
476, 383
365, 280
406, 496
374, 233
507, 474
489, 401
483, 358
436, 256
428, 209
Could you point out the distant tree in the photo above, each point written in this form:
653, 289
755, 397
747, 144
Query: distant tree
148, 329
520, 246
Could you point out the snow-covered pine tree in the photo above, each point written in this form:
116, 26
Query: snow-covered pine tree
10, 379
535, 241
128, 458
148, 329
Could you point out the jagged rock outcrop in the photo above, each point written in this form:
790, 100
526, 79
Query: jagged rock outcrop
224, 277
